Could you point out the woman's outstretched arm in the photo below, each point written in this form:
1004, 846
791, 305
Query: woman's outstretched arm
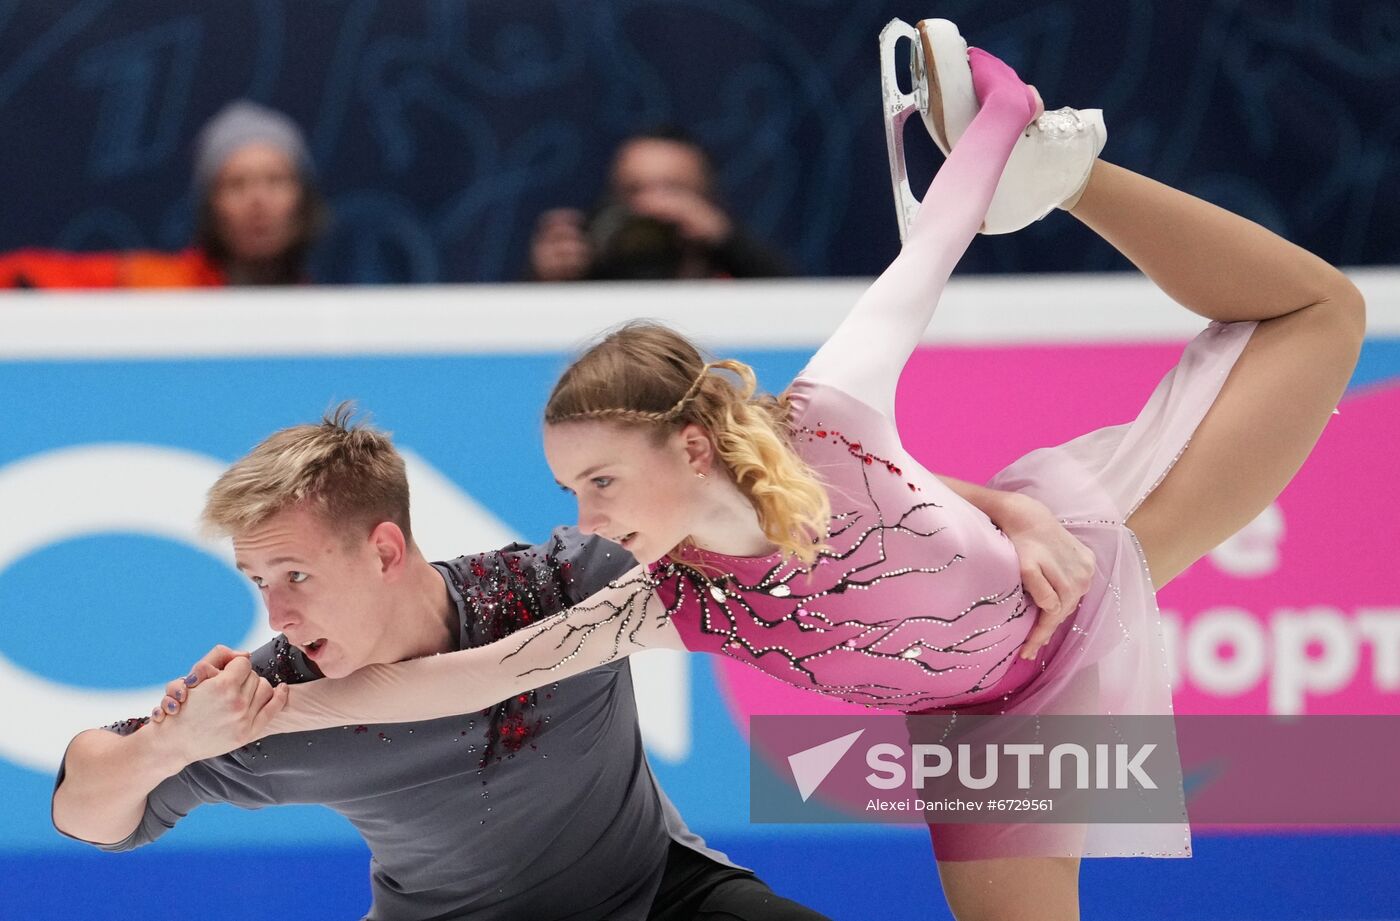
866, 354
624, 618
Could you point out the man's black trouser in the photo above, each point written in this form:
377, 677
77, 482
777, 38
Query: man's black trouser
696, 888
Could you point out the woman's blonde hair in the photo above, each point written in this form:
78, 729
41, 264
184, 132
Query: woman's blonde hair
349, 472
646, 375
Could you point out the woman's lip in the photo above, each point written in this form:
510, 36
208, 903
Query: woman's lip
313, 654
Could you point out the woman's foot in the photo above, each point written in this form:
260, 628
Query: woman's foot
1048, 169
1051, 162
992, 77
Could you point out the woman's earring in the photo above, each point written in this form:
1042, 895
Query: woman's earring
700, 475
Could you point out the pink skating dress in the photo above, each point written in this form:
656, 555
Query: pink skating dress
916, 604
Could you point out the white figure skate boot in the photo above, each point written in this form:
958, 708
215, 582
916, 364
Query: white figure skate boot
1049, 164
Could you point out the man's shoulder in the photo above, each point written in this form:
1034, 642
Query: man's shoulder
563, 559
280, 662
508, 589
562, 540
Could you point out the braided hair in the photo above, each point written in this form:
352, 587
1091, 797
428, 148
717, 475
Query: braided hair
647, 375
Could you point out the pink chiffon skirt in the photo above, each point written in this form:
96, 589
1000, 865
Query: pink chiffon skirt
1110, 657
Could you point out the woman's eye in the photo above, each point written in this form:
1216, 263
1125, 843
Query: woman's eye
602, 482
258, 581
567, 490
296, 577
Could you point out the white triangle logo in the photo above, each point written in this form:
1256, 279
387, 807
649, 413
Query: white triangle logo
810, 766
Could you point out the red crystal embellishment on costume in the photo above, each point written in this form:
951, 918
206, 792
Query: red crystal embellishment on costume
858, 450
515, 730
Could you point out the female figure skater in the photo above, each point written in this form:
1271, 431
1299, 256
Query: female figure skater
798, 536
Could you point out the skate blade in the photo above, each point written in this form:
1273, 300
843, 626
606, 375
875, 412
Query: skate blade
898, 106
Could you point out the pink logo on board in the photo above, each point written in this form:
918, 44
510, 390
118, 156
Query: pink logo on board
1299, 613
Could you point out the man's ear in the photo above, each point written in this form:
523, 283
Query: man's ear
391, 548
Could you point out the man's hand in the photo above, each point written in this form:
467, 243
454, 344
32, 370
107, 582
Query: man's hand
103, 795
210, 665
698, 219
1056, 569
559, 250
223, 705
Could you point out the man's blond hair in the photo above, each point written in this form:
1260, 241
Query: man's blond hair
348, 472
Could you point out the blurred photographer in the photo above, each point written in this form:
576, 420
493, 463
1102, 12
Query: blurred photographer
661, 220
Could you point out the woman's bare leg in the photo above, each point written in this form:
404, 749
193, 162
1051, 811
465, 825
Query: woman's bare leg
1012, 888
1256, 435
1284, 386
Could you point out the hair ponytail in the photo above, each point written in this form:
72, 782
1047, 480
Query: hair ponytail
648, 375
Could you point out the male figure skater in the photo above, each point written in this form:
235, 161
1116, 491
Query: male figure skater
542, 807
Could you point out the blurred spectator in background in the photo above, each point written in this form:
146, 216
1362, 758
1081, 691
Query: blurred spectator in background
259, 214
661, 219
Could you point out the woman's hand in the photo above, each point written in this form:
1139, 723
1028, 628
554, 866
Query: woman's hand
1056, 569
232, 706
214, 661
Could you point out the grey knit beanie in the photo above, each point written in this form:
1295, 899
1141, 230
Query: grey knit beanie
238, 124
